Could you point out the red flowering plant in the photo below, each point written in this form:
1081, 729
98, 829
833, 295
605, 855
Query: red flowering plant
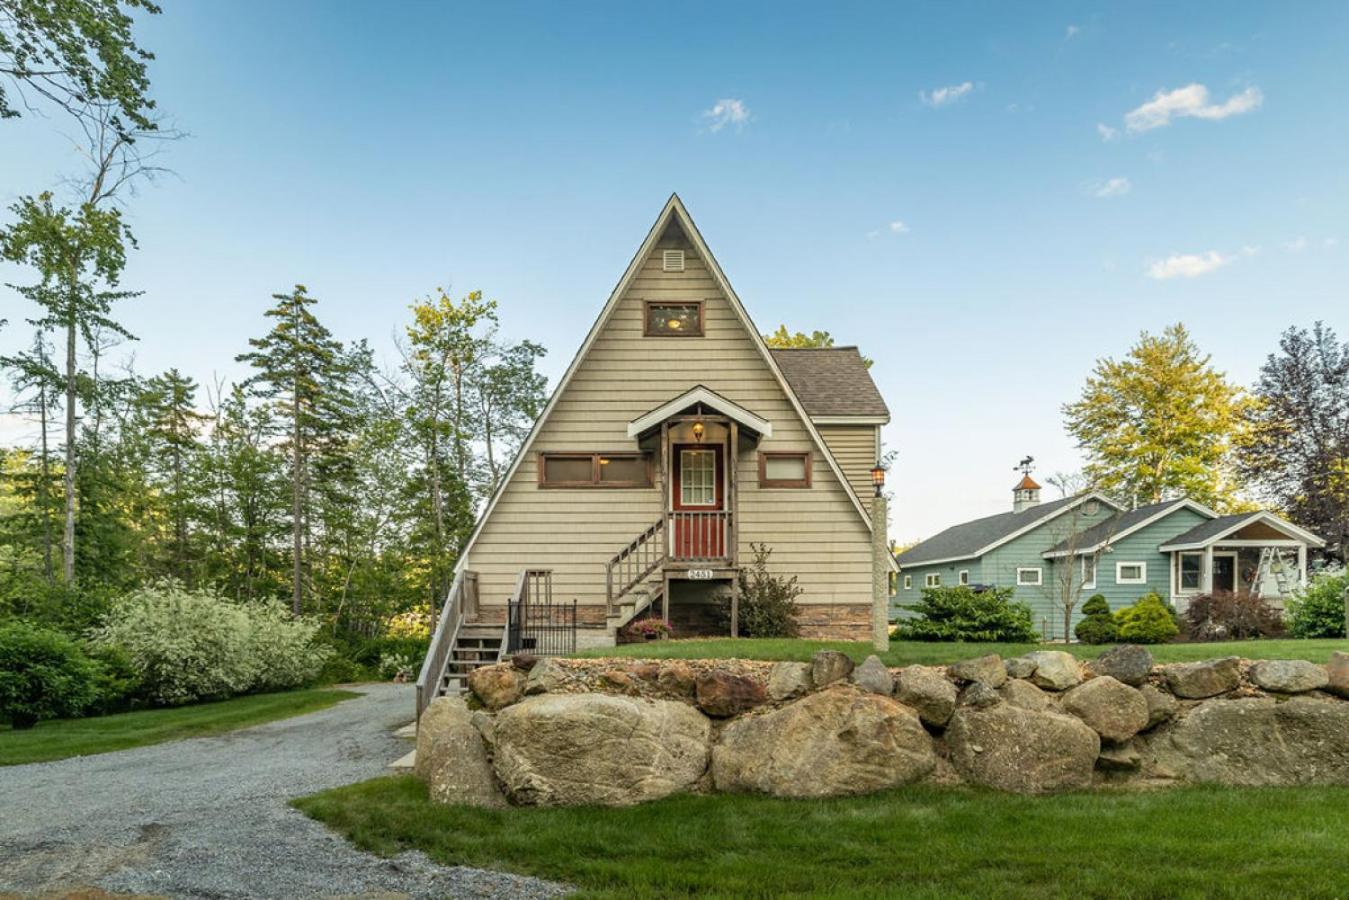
650, 629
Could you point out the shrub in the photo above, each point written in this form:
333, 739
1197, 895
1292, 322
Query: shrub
1147, 621
959, 613
1098, 625
116, 684
650, 627
338, 669
43, 675
187, 646
767, 601
396, 667
1223, 616
1317, 610
371, 651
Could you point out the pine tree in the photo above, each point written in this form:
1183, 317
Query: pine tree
172, 426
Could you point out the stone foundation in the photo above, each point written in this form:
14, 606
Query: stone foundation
835, 621
559, 732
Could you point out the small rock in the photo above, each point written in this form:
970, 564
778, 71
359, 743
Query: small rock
1289, 676
1114, 710
979, 695
1119, 757
988, 670
497, 686
1014, 749
617, 678
677, 678
1019, 667
645, 671
788, 680
927, 690
524, 661
1338, 671
1161, 705
724, 695
1019, 692
1195, 681
546, 676
1055, 669
873, 676
828, 666
1127, 663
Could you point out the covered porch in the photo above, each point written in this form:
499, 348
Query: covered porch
1252, 553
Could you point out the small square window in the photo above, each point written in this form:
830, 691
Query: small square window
908, 582
784, 469
673, 319
932, 579
1131, 573
1093, 507
1028, 576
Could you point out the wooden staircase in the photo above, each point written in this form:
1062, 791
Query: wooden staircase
474, 646
635, 602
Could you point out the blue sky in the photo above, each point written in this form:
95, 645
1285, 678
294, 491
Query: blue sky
1066, 175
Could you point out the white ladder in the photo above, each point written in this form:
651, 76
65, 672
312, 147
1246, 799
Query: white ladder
1272, 563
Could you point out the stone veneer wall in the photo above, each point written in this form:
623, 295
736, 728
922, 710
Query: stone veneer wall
619, 731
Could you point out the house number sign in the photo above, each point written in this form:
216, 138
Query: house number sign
700, 574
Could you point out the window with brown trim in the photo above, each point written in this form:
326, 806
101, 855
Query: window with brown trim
663, 318
784, 469
586, 470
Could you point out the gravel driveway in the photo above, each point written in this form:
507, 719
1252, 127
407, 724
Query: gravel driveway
208, 817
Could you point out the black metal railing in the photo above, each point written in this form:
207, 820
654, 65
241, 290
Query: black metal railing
535, 623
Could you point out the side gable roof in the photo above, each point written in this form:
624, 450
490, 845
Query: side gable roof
832, 382
673, 210
972, 539
1121, 525
1216, 529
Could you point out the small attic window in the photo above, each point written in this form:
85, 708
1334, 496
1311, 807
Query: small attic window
673, 319
674, 261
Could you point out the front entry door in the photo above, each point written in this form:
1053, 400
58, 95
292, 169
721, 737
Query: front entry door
698, 499
1225, 572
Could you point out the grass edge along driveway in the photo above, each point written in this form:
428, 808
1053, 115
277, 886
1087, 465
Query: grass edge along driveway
920, 841
64, 738
907, 653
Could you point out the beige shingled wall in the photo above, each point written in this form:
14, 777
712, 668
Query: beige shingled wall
816, 533
854, 446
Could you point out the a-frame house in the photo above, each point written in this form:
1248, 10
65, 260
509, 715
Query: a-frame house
675, 440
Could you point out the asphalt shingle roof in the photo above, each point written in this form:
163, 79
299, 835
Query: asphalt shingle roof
1205, 530
831, 381
1108, 528
968, 538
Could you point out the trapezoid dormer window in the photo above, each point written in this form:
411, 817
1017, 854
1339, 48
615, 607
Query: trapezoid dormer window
671, 319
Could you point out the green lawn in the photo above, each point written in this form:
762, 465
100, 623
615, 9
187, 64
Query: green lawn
82, 737
904, 653
914, 842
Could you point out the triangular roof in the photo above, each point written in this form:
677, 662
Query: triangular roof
673, 211
703, 396
1214, 530
1026, 484
1122, 525
973, 539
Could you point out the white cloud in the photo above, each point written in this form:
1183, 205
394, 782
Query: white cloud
1071, 32
1191, 101
1115, 187
727, 111
1296, 245
1106, 132
1187, 265
898, 226
945, 96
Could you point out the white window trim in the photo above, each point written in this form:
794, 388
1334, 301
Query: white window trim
1095, 566
908, 582
1181, 589
1039, 576
932, 579
964, 577
1141, 579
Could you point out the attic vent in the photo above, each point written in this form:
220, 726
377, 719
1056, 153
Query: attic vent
674, 260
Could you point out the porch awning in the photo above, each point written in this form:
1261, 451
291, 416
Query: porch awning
700, 396
1227, 529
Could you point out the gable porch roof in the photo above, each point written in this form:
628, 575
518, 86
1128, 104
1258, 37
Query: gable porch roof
706, 397
1215, 530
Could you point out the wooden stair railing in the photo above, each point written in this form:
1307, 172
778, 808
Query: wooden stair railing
634, 563
430, 678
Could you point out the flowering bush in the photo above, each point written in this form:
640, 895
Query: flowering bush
644, 629
195, 645
398, 667
415, 623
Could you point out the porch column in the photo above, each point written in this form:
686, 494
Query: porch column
880, 575
1302, 565
1208, 570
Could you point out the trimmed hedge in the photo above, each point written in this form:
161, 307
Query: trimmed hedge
1147, 621
1098, 626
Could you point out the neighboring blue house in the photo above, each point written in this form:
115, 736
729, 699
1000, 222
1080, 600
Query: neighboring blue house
1061, 552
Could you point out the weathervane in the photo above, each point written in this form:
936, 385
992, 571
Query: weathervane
1024, 466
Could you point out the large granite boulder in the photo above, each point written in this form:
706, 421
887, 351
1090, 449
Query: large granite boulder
1055, 670
722, 694
1257, 741
582, 749
1128, 664
1019, 667
833, 742
1021, 750
1162, 707
788, 680
828, 666
1337, 669
1022, 693
1288, 676
873, 676
452, 756
497, 686
1200, 680
988, 670
928, 691
1114, 710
